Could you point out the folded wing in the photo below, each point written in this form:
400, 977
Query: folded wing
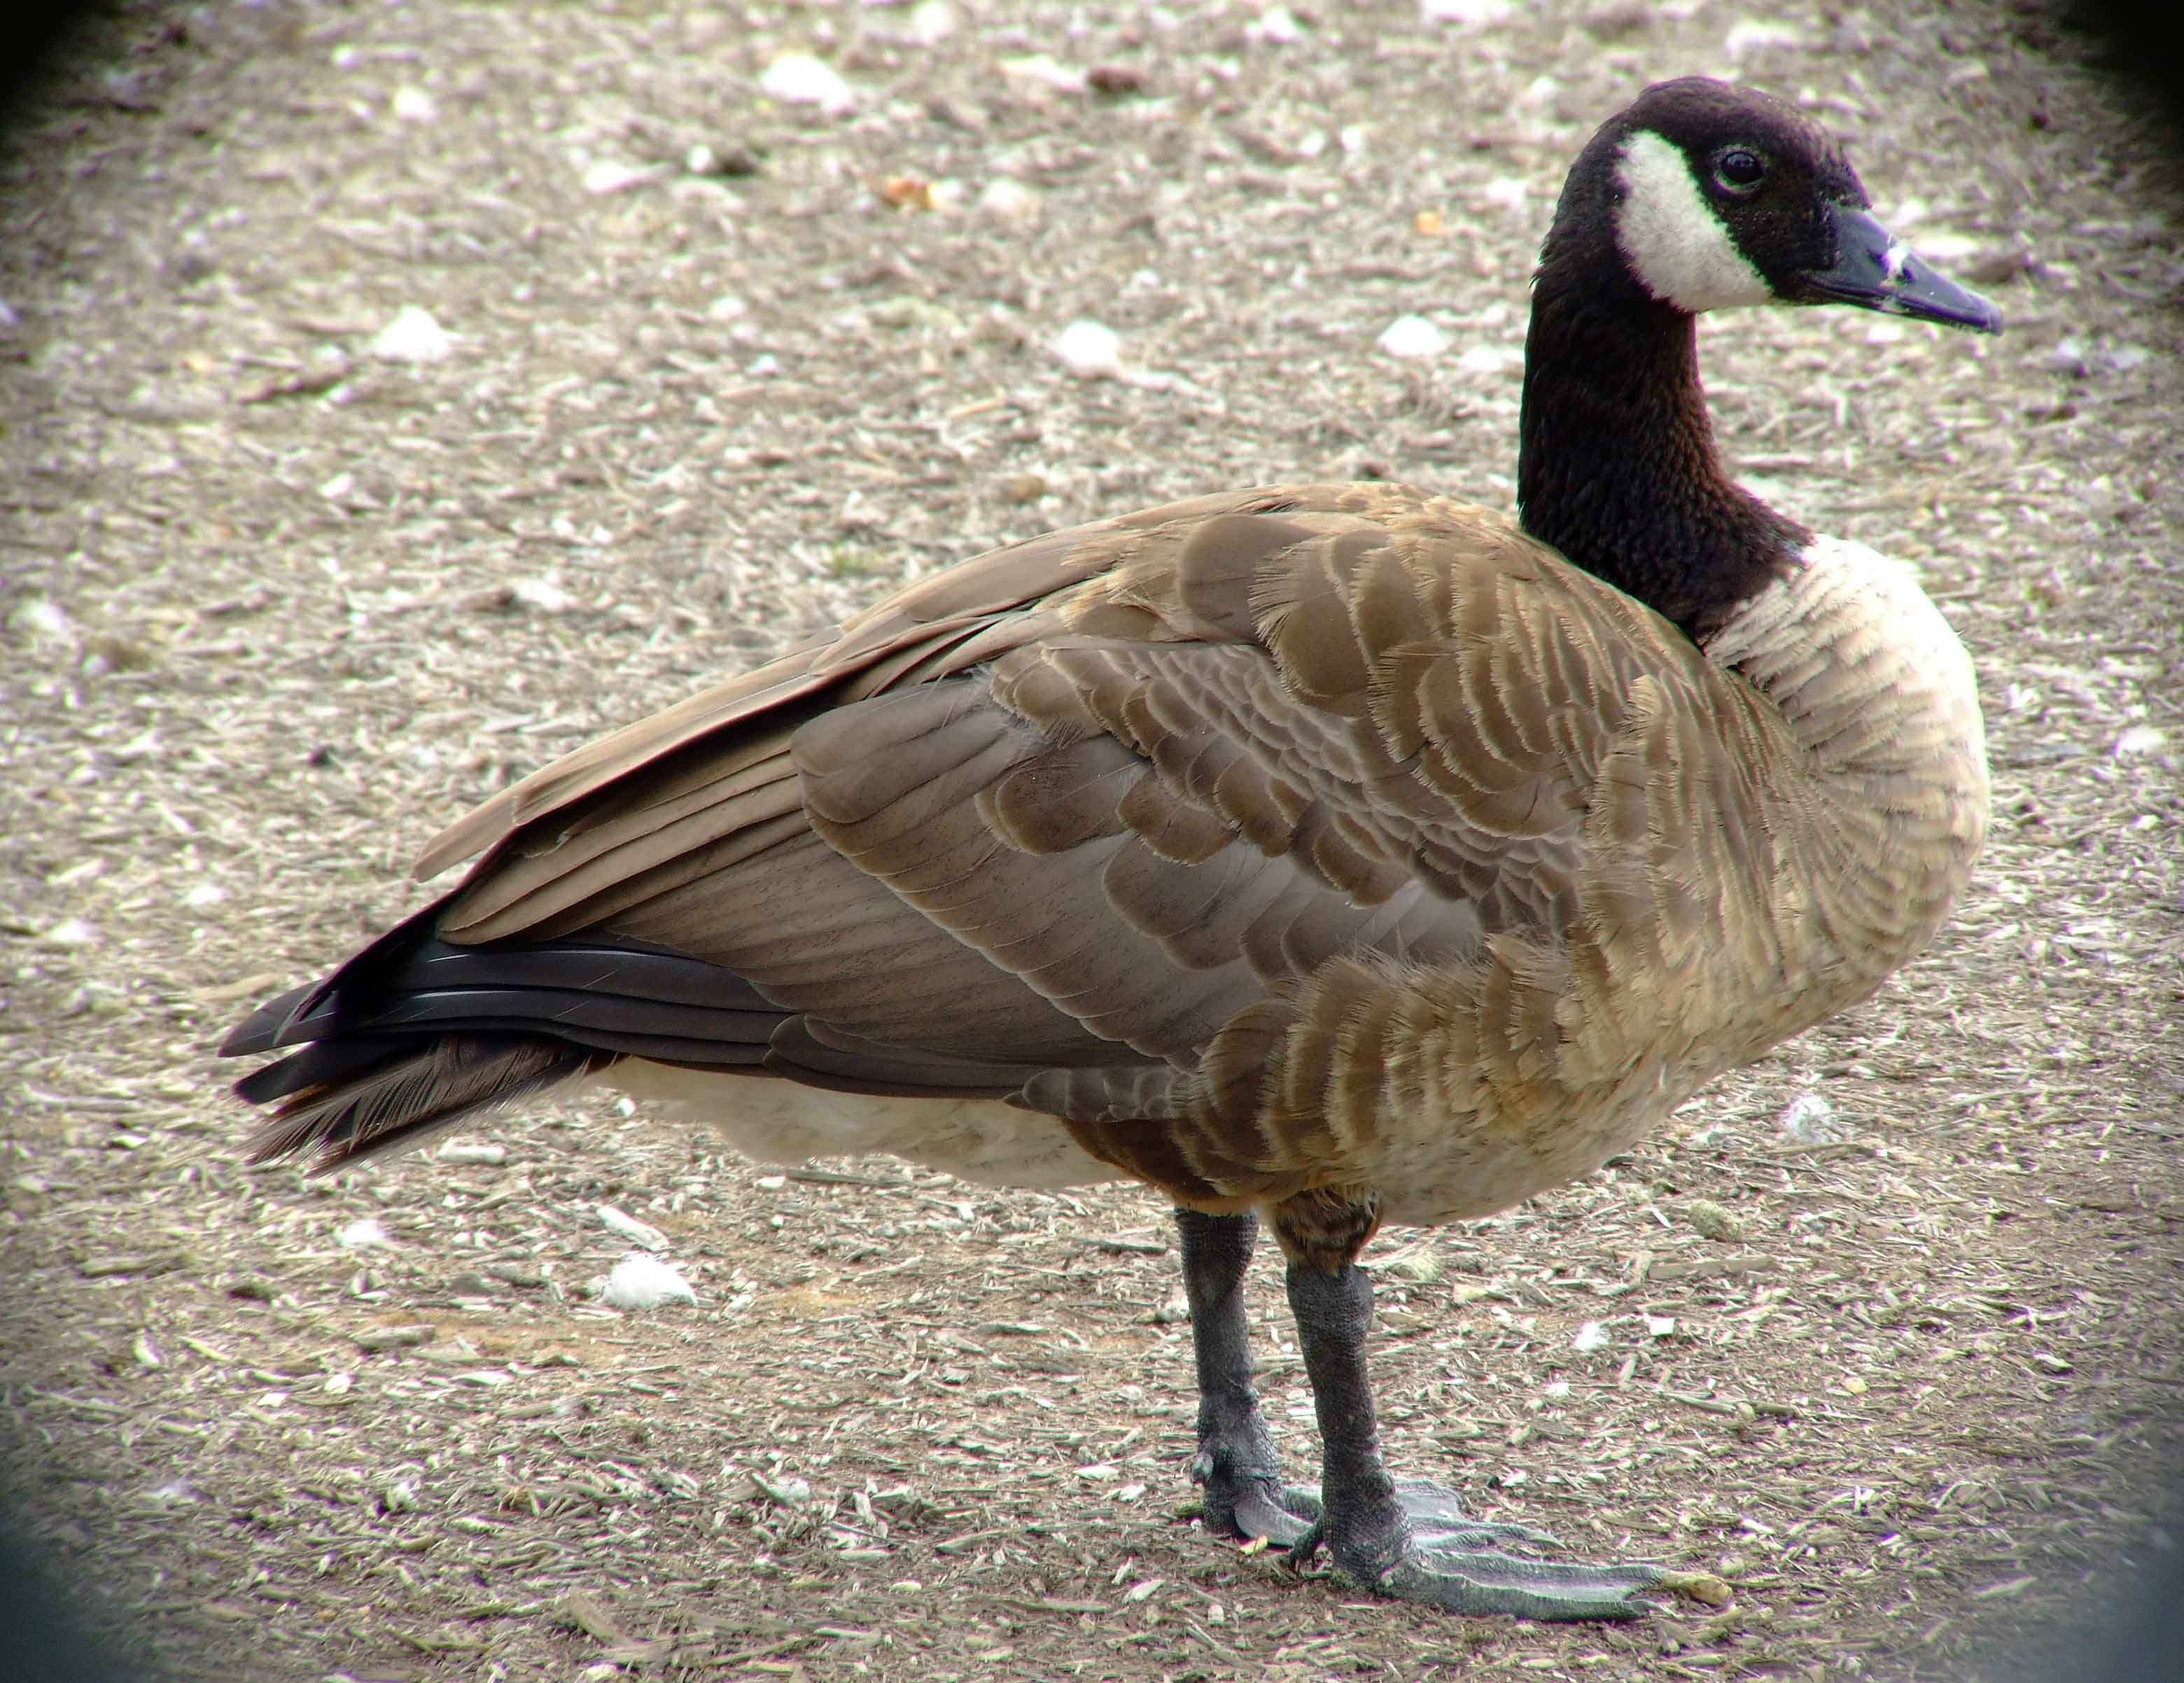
1086, 823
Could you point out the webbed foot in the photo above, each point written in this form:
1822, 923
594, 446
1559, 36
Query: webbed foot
1424, 1548
1411, 1539
1248, 1502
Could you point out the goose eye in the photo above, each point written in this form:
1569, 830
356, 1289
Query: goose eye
1739, 170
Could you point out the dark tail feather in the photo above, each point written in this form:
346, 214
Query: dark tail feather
348, 1100
261, 1031
323, 1064
415, 1034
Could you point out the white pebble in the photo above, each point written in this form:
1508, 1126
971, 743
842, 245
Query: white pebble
607, 175
1660, 1326
411, 335
643, 1282
46, 621
1485, 359
1463, 11
1090, 350
412, 105
1004, 197
365, 1232
472, 1151
1939, 245
71, 932
1043, 70
630, 1228
1589, 1337
1506, 191
786, 1490
2100, 496
2067, 355
2140, 739
1808, 1119
203, 894
931, 22
1751, 35
727, 308
543, 594
1413, 336
799, 79
1277, 26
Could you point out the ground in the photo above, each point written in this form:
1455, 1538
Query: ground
1882, 1329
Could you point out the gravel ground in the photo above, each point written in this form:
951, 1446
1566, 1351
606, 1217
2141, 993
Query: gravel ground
1883, 1329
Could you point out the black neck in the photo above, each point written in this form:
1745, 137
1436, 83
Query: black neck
1616, 466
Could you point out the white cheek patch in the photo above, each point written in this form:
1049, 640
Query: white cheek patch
1670, 237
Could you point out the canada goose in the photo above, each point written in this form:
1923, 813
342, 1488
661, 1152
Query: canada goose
1333, 855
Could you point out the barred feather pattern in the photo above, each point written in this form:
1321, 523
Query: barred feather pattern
416, 1094
1339, 844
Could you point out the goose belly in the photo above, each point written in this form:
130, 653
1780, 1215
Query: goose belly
1437, 1168
778, 1121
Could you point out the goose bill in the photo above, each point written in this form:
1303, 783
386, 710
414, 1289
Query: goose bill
1876, 270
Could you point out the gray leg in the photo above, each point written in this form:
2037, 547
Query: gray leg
1411, 1539
1236, 1461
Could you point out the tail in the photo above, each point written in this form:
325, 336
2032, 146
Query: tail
415, 1034
349, 1099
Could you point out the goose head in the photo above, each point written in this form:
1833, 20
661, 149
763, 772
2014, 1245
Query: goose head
1718, 196
1699, 195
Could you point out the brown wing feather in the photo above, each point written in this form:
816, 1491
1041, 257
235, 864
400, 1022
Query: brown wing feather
935, 611
1257, 822
1529, 747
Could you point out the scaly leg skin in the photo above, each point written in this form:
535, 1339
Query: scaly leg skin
1410, 1539
1236, 1464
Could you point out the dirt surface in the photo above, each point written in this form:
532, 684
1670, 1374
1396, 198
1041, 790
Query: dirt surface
278, 604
